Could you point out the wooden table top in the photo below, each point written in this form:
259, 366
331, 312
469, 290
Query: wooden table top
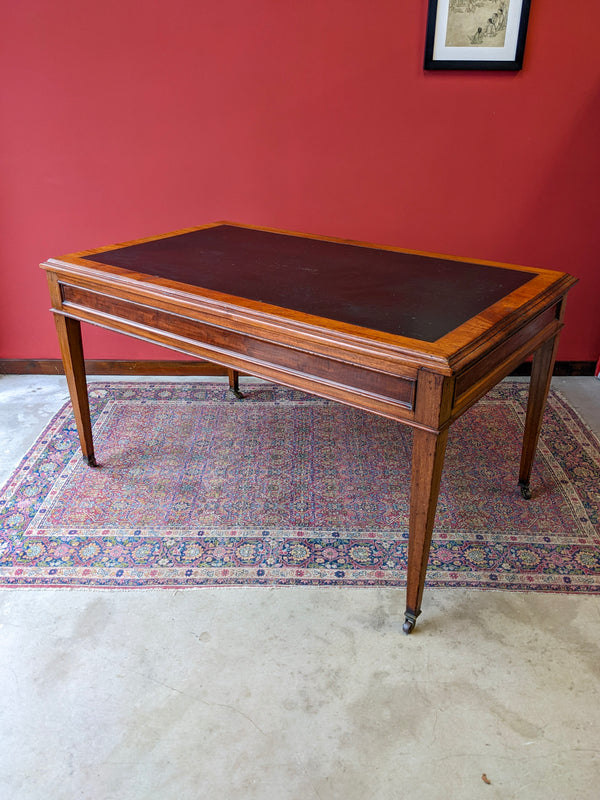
317, 293
405, 294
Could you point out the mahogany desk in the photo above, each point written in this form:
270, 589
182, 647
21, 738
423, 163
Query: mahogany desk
411, 336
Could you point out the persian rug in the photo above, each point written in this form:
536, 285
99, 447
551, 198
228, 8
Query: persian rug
196, 488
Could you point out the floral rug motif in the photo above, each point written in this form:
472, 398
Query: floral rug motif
196, 488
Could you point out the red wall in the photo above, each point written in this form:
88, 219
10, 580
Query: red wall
121, 119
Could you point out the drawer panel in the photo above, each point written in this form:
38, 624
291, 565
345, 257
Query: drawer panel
223, 341
486, 366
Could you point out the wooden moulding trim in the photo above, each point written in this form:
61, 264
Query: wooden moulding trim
446, 356
322, 385
78, 300
470, 352
246, 314
324, 341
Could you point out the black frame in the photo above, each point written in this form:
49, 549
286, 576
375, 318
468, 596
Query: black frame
484, 64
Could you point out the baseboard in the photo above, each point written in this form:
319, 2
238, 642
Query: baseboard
53, 366
561, 368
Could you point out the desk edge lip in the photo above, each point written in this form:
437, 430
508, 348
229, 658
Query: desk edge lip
412, 358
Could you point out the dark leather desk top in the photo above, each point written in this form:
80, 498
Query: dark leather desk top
420, 297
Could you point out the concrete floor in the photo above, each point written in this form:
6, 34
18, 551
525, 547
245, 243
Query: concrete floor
292, 693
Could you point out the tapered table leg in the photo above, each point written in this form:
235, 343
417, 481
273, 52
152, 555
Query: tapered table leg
69, 337
429, 448
541, 375
234, 383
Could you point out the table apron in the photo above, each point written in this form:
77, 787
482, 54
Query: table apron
374, 390
475, 381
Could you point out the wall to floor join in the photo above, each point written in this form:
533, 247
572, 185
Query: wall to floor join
125, 119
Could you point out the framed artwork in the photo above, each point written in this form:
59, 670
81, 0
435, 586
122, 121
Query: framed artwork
476, 34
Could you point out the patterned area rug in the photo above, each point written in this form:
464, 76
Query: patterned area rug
197, 488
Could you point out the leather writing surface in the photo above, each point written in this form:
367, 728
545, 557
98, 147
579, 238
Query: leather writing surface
421, 297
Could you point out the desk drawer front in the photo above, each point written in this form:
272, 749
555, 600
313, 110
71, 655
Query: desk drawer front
175, 330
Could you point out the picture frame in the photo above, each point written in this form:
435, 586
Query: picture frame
476, 34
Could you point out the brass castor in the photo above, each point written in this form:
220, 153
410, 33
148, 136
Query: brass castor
234, 383
525, 491
410, 620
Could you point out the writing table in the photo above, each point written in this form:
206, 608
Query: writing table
412, 336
